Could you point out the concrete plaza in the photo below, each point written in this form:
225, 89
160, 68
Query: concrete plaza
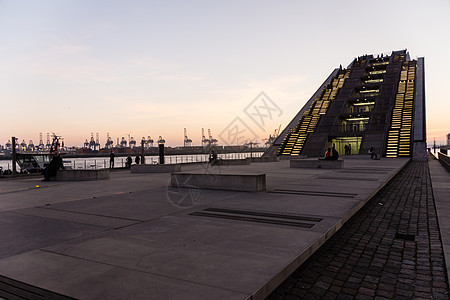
133, 236
391, 249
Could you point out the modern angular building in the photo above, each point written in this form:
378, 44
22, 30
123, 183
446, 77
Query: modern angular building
377, 101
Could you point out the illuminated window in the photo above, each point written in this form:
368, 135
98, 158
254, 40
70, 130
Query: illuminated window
370, 91
379, 63
373, 80
377, 72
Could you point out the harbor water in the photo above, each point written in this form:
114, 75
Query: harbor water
119, 162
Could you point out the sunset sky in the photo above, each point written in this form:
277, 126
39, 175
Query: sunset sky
153, 68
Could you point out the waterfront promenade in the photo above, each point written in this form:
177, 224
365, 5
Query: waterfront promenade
391, 249
134, 237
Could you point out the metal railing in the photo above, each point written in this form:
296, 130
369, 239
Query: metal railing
120, 162
444, 160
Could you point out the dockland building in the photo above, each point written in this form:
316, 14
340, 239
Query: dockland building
377, 101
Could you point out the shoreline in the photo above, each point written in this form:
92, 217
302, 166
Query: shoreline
167, 152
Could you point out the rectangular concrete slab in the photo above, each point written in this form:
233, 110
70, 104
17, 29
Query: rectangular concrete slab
202, 250
317, 163
140, 205
245, 182
76, 217
21, 233
83, 279
81, 175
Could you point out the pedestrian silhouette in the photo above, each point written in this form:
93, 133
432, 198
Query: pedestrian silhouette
111, 160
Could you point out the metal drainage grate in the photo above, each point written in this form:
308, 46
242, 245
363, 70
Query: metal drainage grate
406, 237
363, 171
312, 193
252, 219
346, 178
374, 169
13, 289
263, 214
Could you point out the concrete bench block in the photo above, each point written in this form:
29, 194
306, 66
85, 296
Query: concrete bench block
321, 164
155, 168
228, 181
81, 175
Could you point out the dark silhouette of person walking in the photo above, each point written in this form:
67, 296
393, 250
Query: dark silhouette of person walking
137, 160
128, 161
111, 160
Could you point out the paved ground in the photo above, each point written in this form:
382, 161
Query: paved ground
134, 237
391, 249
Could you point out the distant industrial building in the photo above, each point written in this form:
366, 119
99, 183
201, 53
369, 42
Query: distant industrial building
375, 102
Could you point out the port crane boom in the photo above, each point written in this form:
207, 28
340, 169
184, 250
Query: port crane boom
187, 141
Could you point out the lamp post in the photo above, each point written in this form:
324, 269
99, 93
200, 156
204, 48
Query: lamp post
142, 152
14, 157
161, 142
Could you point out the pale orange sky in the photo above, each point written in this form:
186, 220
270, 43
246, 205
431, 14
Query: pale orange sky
140, 68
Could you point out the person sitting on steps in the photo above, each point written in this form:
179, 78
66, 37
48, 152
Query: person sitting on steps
372, 153
327, 154
334, 154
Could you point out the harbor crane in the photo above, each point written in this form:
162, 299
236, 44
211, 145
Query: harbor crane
205, 141
277, 131
132, 142
92, 142
272, 137
109, 143
23, 146
212, 141
123, 143
41, 143
97, 142
48, 145
187, 141
150, 141
31, 146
